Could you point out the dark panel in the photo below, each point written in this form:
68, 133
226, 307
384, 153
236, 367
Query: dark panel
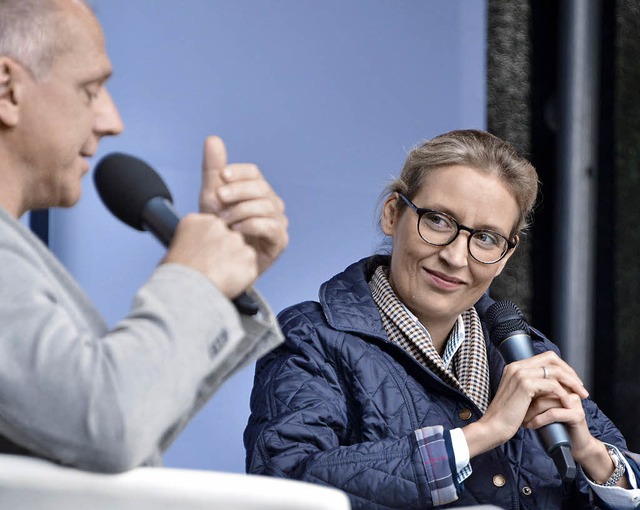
604, 299
545, 17
509, 117
39, 224
522, 94
626, 224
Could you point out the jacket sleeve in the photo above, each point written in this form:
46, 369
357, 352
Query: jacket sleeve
302, 427
602, 428
74, 392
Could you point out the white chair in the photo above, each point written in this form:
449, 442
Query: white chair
34, 484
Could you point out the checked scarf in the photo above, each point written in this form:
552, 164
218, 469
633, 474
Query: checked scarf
469, 368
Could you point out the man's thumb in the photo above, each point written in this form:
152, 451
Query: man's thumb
214, 160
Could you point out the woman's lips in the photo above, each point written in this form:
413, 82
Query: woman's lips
444, 281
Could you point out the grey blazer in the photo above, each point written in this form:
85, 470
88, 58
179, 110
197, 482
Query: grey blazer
77, 393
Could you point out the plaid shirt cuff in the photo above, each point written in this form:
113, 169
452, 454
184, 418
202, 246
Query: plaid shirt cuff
436, 452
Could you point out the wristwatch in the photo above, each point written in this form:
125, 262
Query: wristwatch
620, 469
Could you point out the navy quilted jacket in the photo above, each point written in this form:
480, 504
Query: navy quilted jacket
338, 404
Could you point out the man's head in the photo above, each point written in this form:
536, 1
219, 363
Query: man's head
54, 107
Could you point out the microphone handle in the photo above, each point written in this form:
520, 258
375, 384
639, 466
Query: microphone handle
161, 219
554, 435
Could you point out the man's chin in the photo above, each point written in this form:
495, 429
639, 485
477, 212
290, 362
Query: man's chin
69, 200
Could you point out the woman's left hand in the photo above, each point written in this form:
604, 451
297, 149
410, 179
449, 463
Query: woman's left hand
565, 407
589, 452
567, 410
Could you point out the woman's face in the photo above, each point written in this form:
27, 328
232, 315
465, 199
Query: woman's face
437, 283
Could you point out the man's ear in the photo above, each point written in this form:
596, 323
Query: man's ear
10, 75
389, 214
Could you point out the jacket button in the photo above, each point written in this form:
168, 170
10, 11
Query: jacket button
526, 491
499, 480
465, 414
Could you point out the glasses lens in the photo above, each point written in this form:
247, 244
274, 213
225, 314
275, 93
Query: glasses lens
487, 246
437, 228
440, 229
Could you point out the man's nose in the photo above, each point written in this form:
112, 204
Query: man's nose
107, 121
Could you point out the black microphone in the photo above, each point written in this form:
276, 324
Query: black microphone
509, 332
138, 196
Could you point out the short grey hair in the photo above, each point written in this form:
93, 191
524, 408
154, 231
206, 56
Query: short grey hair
30, 33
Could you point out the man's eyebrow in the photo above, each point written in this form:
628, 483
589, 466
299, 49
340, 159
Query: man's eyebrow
99, 80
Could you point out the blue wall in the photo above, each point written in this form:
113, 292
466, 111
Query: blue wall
326, 96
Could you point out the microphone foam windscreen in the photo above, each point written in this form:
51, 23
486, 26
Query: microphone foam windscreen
126, 184
504, 318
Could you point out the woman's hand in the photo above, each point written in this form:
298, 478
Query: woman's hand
523, 383
589, 452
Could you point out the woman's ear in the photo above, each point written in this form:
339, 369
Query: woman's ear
389, 214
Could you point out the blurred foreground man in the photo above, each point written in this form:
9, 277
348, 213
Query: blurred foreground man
71, 390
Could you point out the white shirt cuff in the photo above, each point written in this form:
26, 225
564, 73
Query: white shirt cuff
460, 448
617, 497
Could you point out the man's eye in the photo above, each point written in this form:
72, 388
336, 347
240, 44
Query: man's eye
92, 93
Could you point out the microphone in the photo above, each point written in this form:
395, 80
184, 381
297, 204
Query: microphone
509, 332
138, 196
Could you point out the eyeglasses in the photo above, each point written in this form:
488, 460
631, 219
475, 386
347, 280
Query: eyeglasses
440, 229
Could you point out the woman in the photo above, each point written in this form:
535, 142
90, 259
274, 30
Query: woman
389, 388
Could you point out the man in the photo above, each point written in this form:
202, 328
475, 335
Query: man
71, 390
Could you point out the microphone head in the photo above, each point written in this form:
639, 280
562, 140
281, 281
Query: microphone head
503, 318
126, 184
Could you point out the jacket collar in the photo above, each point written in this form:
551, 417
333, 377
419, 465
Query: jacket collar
348, 306
347, 303
346, 299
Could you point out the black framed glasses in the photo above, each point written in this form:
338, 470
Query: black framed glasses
440, 229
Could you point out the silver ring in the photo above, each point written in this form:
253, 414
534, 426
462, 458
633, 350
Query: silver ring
546, 372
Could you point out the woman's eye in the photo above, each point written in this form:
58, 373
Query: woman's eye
437, 221
487, 239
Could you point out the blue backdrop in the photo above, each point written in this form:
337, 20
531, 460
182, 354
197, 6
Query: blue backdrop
326, 96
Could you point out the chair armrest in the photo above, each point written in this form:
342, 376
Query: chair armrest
34, 484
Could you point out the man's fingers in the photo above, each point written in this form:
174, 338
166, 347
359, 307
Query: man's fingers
258, 208
241, 172
245, 190
205, 243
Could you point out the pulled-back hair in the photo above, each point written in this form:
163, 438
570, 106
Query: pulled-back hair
476, 149
30, 33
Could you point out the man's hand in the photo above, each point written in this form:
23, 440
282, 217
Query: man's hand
239, 194
205, 243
